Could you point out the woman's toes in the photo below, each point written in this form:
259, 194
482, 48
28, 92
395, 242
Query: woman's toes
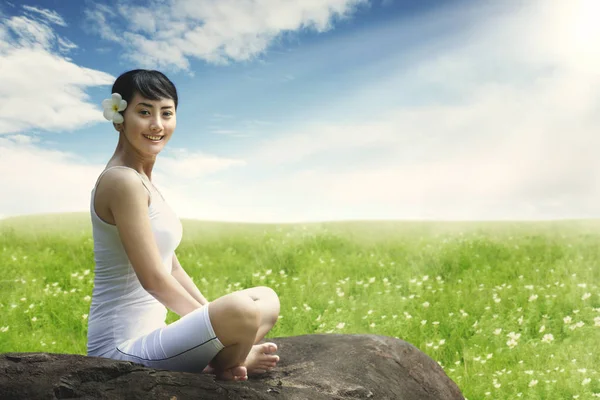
270, 347
239, 373
267, 359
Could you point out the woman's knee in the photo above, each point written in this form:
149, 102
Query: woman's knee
234, 315
271, 305
263, 293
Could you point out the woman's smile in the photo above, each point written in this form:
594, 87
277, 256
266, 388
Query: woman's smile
156, 138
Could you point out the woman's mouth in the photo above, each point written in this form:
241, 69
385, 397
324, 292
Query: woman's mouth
154, 138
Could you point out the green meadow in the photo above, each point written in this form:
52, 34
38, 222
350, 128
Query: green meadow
508, 309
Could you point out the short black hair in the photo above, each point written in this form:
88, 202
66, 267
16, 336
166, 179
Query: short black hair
151, 84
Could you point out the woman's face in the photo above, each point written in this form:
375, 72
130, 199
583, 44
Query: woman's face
149, 124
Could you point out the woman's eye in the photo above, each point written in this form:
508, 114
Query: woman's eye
168, 114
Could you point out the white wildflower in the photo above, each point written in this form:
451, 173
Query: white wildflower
112, 107
533, 297
586, 296
547, 338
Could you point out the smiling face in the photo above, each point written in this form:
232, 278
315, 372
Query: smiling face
149, 124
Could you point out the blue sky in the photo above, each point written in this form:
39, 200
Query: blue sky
312, 111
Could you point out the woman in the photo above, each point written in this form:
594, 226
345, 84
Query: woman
137, 274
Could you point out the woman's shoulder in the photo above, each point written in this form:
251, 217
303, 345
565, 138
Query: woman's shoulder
120, 183
121, 176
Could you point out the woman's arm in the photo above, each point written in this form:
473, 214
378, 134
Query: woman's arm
183, 278
128, 202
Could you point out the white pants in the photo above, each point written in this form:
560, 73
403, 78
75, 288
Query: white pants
187, 344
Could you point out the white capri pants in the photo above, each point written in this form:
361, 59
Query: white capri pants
187, 345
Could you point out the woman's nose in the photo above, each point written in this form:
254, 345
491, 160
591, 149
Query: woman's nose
156, 125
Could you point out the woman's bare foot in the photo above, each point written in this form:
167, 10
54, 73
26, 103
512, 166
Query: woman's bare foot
238, 373
209, 370
261, 359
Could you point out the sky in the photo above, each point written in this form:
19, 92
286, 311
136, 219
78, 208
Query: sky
313, 110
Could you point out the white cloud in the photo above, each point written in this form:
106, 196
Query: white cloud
45, 90
49, 15
161, 36
19, 139
140, 18
98, 22
65, 45
182, 165
229, 132
30, 33
46, 181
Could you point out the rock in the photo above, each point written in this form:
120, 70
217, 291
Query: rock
312, 367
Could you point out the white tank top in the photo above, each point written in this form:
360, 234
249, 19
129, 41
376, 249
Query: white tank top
121, 308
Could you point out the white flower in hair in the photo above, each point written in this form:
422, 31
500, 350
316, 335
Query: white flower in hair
112, 107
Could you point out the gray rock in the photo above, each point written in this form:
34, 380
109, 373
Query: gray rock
312, 367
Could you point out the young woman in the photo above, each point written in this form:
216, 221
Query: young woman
137, 274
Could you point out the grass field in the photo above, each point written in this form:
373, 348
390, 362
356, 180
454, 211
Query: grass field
510, 310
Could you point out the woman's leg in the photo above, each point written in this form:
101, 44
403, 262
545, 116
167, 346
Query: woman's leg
240, 320
225, 331
267, 302
188, 344
235, 320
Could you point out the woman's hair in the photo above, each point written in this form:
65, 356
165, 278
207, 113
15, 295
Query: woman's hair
151, 84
